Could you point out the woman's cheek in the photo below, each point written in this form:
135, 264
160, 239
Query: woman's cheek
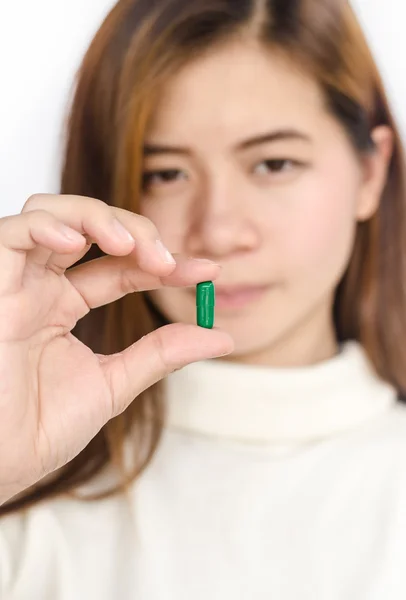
321, 238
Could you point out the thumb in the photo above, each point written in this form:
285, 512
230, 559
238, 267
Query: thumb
158, 354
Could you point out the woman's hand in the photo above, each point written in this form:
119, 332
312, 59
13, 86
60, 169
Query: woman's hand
55, 393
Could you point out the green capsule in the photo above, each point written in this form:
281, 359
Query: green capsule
205, 302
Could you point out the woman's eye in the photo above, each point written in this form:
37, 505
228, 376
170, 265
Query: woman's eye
162, 177
279, 165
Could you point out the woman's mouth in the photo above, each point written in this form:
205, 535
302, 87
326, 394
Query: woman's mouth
237, 297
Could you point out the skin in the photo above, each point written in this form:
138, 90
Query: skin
281, 213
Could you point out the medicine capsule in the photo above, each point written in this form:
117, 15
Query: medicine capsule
205, 302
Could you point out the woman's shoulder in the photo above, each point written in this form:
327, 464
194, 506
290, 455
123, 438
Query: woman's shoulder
379, 447
61, 529
394, 424
386, 432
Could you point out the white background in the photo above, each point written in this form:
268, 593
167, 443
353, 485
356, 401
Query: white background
41, 45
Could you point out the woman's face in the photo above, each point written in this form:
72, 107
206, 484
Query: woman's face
245, 166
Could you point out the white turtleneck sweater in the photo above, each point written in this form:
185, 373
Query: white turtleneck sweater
268, 484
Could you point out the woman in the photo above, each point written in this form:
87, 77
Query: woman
255, 136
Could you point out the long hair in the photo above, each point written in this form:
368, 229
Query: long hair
140, 45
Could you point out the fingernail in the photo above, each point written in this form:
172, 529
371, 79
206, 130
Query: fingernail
122, 232
164, 253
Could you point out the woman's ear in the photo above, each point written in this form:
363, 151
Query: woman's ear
375, 171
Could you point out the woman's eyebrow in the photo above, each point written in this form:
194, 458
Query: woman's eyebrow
151, 149
274, 136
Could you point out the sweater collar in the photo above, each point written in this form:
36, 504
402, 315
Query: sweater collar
265, 405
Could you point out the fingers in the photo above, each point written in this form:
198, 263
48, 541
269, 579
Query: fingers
156, 355
107, 279
41, 257
116, 231
20, 234
56, 225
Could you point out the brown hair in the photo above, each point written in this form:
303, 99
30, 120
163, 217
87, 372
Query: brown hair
139, 46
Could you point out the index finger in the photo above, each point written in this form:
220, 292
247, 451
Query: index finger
115, 230
107, 279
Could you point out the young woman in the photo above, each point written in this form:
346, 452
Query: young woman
255, 137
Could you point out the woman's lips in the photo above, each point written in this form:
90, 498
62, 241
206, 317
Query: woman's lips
235, 297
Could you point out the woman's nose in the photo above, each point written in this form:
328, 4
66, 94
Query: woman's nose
222, 224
